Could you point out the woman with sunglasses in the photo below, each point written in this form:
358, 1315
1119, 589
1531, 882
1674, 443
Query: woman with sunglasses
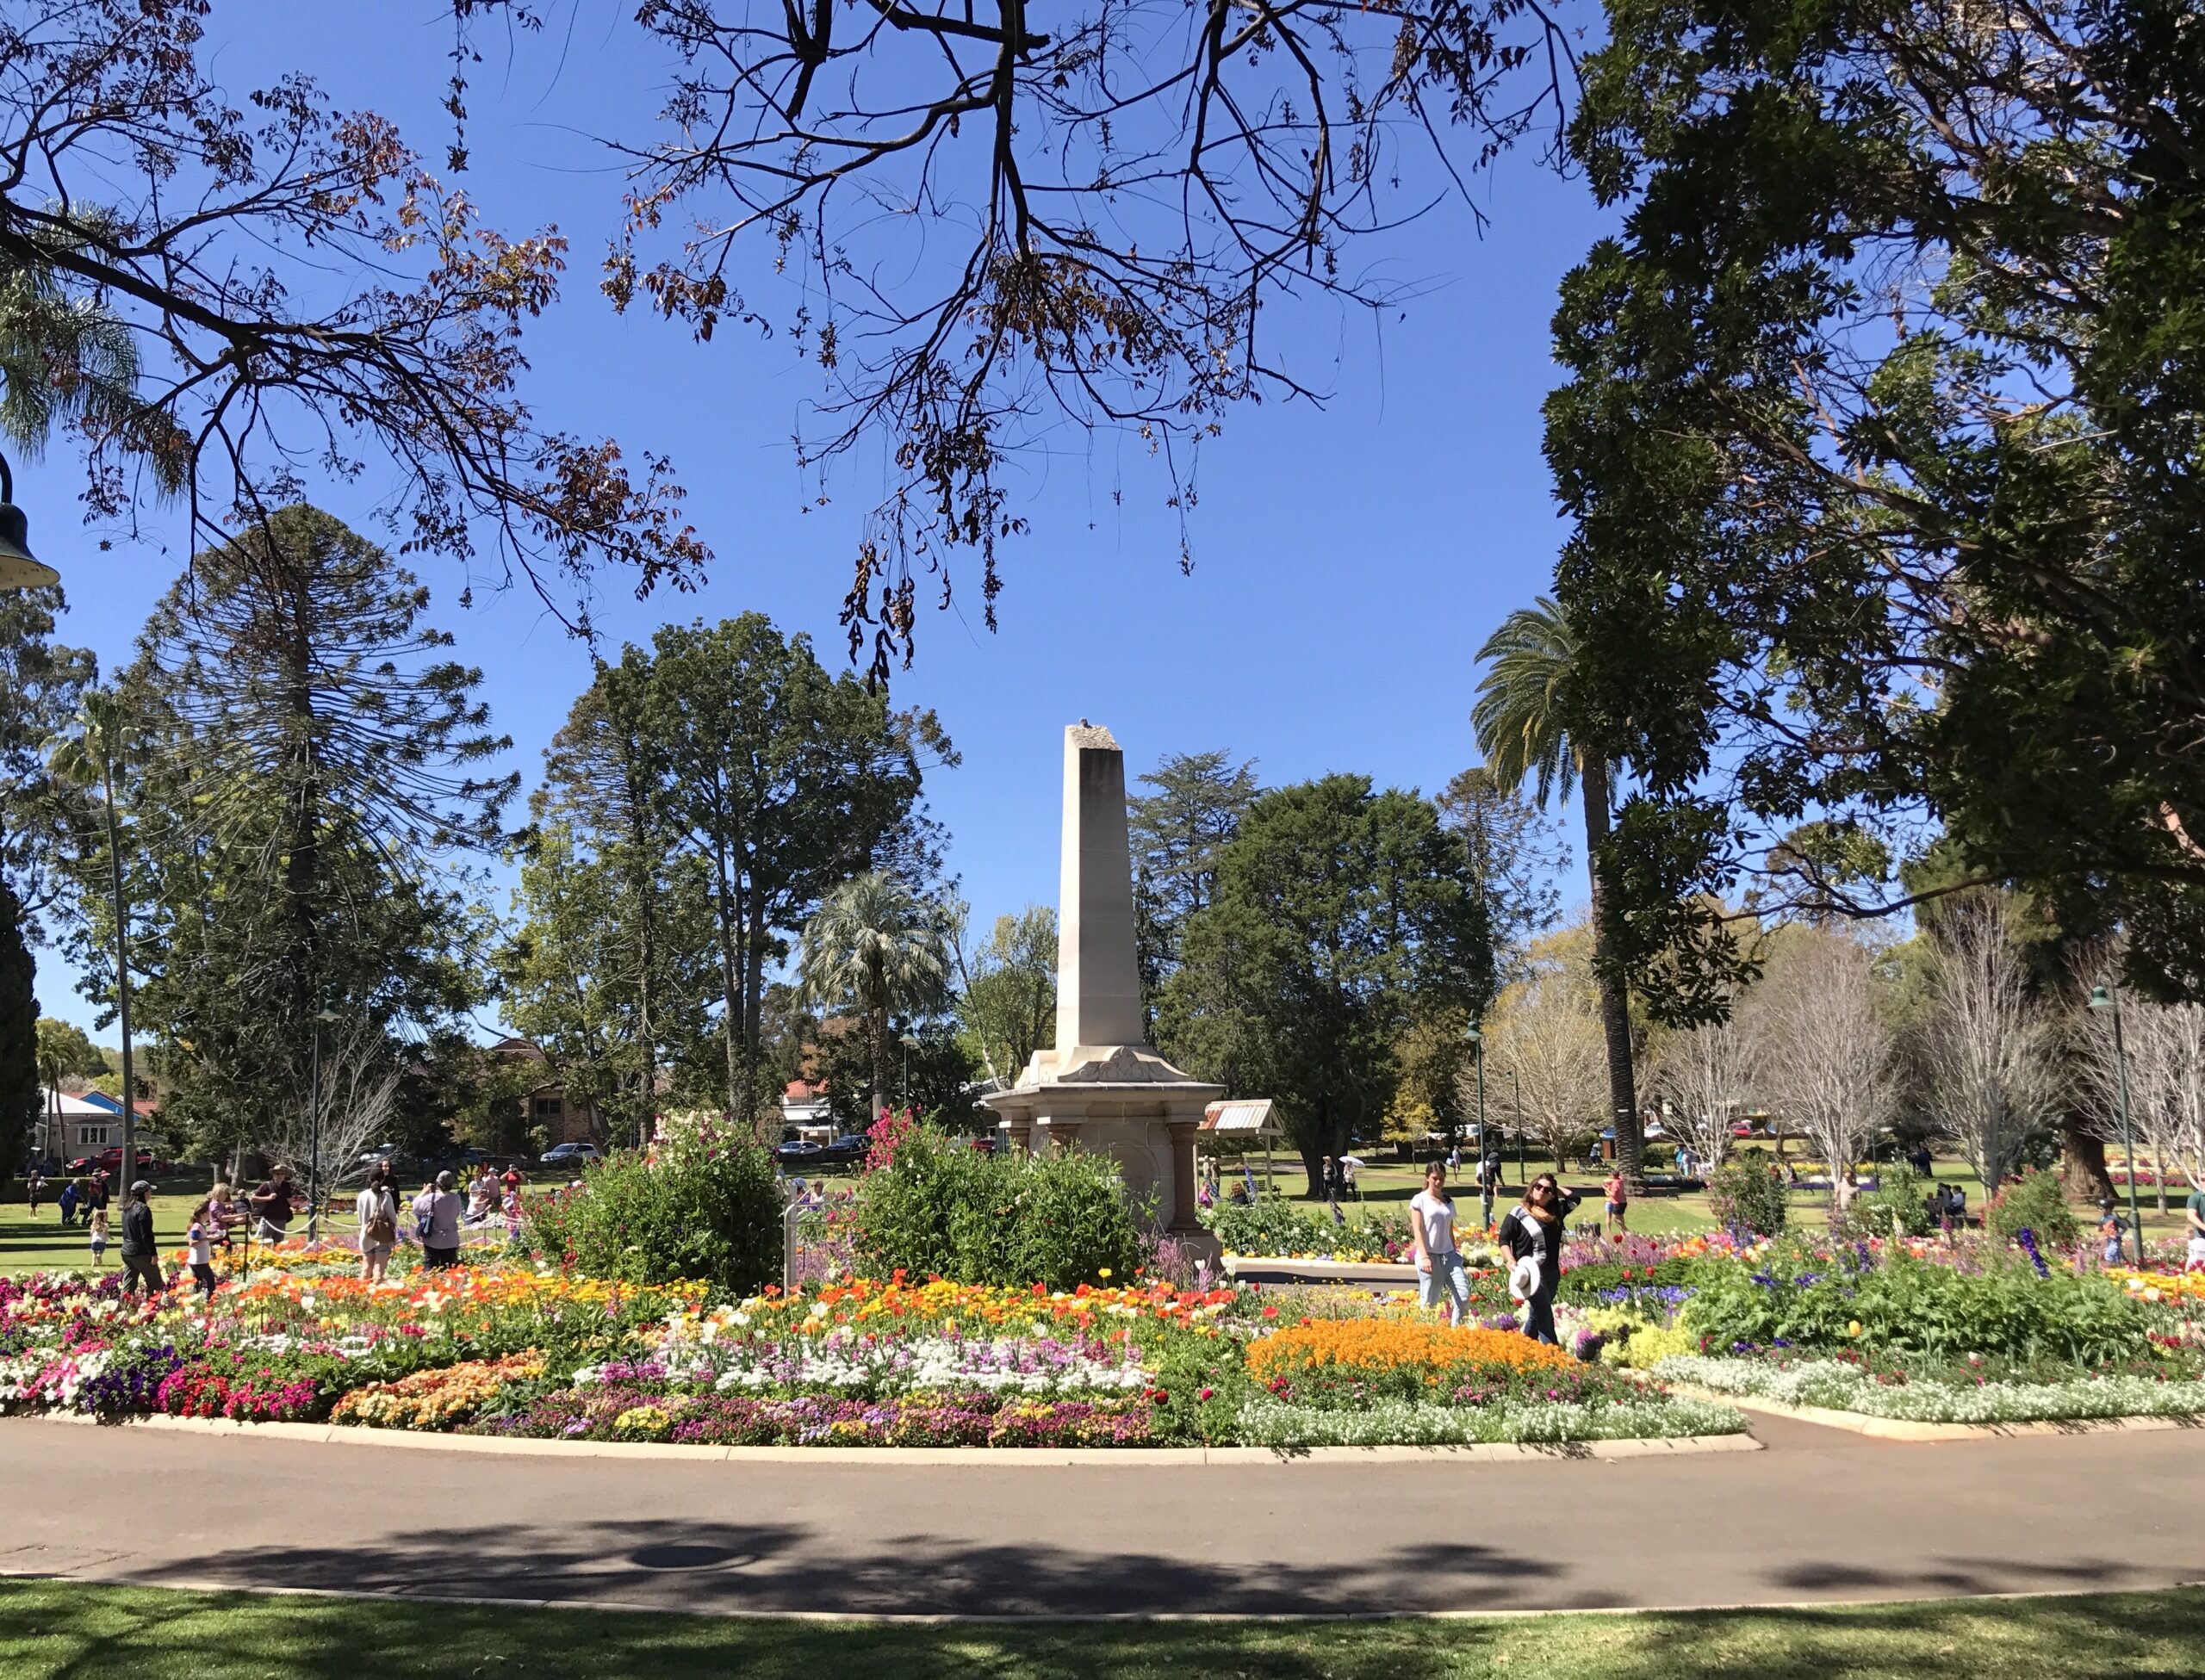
1533, 1231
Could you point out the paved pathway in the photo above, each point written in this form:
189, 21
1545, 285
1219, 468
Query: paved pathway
1822, 1515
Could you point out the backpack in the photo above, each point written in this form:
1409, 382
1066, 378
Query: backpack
382, 1228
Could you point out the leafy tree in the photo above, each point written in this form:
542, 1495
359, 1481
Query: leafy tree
875, 946
1341, 917
1514, 857
1528, 729
65, 1052
303, 287
939, 1085
1008, 1007
303, 768
1879, 434
1176, 834
608, 965
42, 685
783, 782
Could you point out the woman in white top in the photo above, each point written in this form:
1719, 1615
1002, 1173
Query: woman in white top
1440, 1271
378, 1208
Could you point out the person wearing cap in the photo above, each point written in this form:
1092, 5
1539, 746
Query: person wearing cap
140, 1258
436, 1214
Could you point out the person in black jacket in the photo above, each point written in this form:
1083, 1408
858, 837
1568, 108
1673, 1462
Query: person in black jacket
140, 1257
1534, 1229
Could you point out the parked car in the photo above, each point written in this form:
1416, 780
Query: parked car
570, 1155
109, 1161
797, 1153
849, 1150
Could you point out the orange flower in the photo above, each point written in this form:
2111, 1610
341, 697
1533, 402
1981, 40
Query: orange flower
1350, 1346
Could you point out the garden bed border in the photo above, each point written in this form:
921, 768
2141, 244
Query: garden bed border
1043, 1457
1907, 1428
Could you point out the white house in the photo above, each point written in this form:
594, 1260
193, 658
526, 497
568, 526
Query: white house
71, 1126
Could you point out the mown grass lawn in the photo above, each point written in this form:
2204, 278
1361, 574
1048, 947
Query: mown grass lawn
51, 1630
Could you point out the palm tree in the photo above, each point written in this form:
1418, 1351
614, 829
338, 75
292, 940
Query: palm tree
877, 946
1522, 720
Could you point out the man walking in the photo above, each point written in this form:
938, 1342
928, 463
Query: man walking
140, 1258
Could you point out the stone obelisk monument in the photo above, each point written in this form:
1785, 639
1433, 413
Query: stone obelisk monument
1101, 1086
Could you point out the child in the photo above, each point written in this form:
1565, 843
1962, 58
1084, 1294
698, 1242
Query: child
202, 1239
97, 1223
509, 1207
2110, 1233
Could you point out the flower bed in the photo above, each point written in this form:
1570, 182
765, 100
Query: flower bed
514, 1349
1842, 1385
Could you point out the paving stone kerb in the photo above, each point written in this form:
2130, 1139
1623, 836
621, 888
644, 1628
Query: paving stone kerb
1055, 1458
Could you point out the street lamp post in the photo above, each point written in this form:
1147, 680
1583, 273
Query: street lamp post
910, 1043
1485, 1181
1516, 1101
103, 716
2102, 999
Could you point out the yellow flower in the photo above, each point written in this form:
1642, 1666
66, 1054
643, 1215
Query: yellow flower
1854, 1329
1104, 1272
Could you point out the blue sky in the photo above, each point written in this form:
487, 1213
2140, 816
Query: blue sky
1349, 559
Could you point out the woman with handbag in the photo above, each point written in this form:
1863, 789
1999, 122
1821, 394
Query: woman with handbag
378, 1211
1532, 1233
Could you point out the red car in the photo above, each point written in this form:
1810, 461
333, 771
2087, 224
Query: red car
109, 1161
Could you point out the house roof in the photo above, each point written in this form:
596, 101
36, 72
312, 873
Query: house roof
75, 1108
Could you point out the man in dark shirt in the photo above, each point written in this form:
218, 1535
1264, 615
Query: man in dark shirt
272, 1203
140, 1258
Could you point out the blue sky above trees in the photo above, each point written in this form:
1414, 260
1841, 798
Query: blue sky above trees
1349, 560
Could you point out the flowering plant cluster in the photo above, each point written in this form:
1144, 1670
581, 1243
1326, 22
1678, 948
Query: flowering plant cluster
436, 1399
971, 1419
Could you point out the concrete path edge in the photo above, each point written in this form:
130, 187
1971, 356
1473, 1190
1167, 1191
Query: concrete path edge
1022, 1457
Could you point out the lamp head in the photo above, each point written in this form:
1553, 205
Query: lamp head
2100, 998
19, 568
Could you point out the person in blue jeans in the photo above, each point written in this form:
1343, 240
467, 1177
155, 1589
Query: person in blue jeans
1440, 1273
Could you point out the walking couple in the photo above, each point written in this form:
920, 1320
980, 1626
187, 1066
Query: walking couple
1532, 1233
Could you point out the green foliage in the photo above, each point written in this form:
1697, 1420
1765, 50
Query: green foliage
1910, 1307
701, 1204
879, 948
1781, 493
1897, 1207
1266, 1227
1585, 1284
1176, 834
1009, 1007
947, 1210
1342, 915
1744, 1193
2033, 1202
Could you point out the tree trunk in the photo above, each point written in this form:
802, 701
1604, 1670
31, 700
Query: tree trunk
1615, 1004
725, 916
753, 989
2083, 1173
877, 1029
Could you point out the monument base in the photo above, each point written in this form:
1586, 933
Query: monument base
1146, 1125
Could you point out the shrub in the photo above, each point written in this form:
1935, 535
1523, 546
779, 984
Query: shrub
1281, 1228
1897, 1207
943, 1210
1746, 1194
1908, 1307
2033, 1202
699, 1205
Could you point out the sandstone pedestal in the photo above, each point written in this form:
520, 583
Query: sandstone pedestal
1103, 1087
